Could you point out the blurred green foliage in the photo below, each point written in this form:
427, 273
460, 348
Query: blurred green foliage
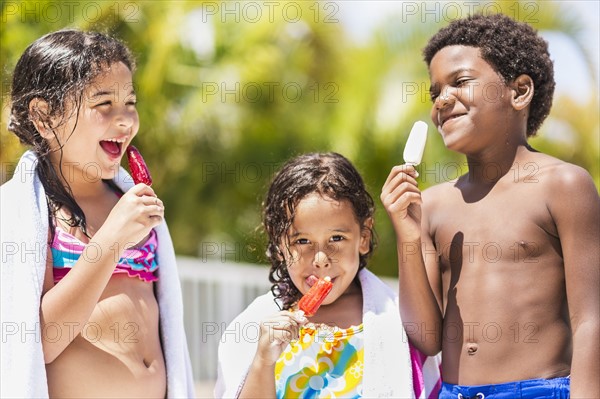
230, 90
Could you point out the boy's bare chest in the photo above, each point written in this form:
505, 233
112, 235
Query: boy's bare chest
501, 227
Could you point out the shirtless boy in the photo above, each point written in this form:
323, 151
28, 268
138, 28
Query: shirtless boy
499, 269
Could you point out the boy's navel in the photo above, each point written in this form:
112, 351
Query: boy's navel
472, 349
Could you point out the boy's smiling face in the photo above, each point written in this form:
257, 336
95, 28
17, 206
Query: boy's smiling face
471, 102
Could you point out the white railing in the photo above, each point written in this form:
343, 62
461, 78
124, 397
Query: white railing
214, 293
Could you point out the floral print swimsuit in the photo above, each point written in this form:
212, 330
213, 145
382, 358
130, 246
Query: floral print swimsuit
325, 362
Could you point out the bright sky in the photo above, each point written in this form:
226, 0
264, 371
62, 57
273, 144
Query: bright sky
571, 74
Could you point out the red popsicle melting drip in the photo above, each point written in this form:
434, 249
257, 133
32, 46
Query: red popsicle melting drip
137, 167
311, 301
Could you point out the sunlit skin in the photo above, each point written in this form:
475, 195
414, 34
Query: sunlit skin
325, 239
507, 254
473, 105
107, 341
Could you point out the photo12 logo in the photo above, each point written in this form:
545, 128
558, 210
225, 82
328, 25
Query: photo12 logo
448, 11
71, 11
271, 11
256, 92
53, 332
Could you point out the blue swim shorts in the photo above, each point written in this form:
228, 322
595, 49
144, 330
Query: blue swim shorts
555, 388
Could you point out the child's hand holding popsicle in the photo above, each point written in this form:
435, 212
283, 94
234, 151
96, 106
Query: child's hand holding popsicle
400, 195
284, 327
152, 208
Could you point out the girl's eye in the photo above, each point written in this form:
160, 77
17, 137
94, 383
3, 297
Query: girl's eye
105, 103
302, 241
337, 238
433, 96
460, 82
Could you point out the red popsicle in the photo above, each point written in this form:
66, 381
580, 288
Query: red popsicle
311, 301
137, 167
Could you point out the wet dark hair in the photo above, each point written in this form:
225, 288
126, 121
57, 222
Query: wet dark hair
57, 68
512, 48
328, 174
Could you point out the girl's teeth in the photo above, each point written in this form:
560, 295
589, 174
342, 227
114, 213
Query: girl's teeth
113, 147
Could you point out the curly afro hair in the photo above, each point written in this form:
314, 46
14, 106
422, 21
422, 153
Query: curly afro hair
328, 174
512, 48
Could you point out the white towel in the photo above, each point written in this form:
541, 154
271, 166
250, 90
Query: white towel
24, 235
387, 370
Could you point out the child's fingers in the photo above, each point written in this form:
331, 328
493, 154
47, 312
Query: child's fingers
401, 206
401, 178
141, 189
401, 188
156, 213
396, 190
300, 318
410, 169
406, 168
395, 179
146, 206
286, 333
403, 202
285, 320
153, 201
282, 328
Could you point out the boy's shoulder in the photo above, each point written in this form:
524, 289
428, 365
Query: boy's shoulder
440, 199
536, 176
439, 191
555, 174
537, 167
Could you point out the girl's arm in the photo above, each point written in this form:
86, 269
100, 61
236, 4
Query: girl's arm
275, 335
67, 306
420, 307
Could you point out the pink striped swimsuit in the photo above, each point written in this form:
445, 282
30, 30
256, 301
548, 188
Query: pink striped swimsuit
136, 262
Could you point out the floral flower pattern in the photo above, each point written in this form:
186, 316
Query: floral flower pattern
324, 362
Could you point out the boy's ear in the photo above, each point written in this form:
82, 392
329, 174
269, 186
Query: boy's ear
522, 89
365, 236
39, 112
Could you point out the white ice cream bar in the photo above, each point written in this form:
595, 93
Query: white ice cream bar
415, 145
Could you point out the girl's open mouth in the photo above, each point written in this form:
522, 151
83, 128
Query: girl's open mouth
311, 280
112, 147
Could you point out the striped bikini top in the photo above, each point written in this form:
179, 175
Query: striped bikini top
136, 262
